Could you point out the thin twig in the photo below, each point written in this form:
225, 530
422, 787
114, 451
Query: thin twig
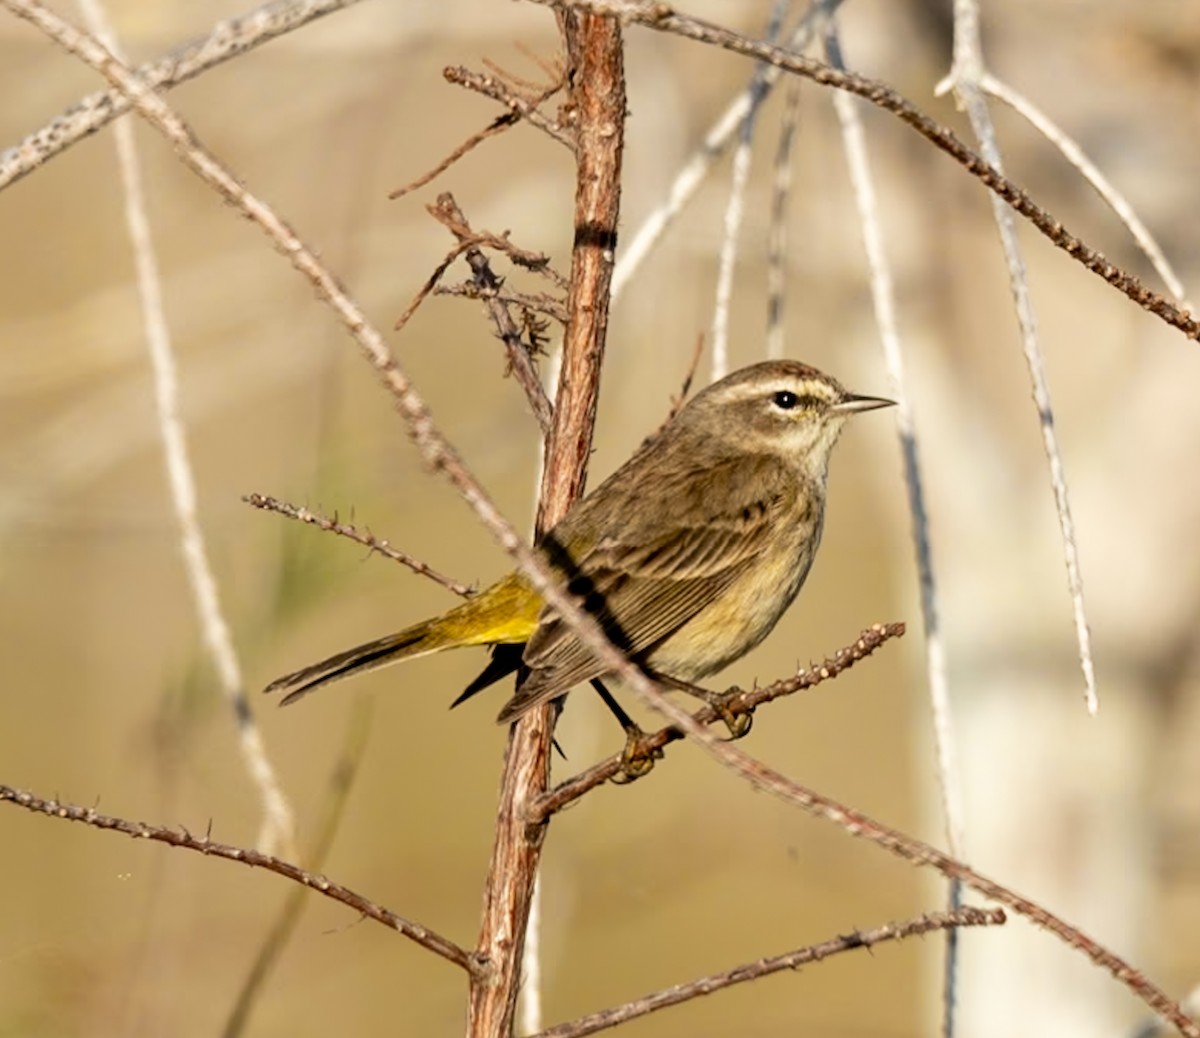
278, 824
792, 960
781, 189
364, 537
689, 178
526, 108
227, 40
736, 206
883, 297
855, 823
496, 126
427, 288
689, 378
540, 303
520, 359
662, 18
966, 75
341, 782
741, 702
1104, 187
422, 935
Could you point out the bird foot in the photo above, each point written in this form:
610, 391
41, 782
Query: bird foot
739, 723
637, 758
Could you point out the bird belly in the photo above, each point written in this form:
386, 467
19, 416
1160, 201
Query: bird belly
737, 621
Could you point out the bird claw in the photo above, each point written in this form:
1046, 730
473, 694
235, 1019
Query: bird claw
636, 758
740, 722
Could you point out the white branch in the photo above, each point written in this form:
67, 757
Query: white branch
277, 833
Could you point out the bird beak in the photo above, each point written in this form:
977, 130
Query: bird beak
851, 404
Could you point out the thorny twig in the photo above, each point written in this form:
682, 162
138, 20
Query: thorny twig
422, 935
364, 537
540, 303
496, 126
525, 108
518, 344
743, 702
792, 960
663, 18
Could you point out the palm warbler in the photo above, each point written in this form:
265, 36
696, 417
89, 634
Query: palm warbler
687, 555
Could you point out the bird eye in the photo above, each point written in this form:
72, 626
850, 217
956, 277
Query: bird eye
785, 400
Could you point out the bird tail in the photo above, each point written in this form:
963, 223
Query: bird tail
418, 640
505, 613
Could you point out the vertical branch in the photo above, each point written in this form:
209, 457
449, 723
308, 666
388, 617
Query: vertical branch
598, 91
734, 209
597, 77
277, 827
884, 300
966, 75
781, 191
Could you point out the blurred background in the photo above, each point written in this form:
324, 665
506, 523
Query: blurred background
109, 698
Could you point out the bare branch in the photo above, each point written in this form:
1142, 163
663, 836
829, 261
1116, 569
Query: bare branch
597, 74
1075, 155
341, 781
426, 290
497, 125
422, 935
227, 40
520, 360
663, 18
689, 178
781, 189
735, 206
689, 378
792, 960
540, 303
884, 303
277, 829
741, 703
965, 76
367, 539
525, 108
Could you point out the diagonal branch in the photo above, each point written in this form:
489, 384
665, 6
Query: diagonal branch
367, 539
792, 960
738, 704
422, 935
342, 779
227, 40
663, 18
519, 107
1113, 198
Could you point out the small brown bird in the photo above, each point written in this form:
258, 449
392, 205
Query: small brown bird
688, 554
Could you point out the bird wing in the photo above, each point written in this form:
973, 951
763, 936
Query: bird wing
647, 578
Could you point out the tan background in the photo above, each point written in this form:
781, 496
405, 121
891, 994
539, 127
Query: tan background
106, 692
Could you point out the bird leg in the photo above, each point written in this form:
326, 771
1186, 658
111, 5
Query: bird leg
635, 760
738, 722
